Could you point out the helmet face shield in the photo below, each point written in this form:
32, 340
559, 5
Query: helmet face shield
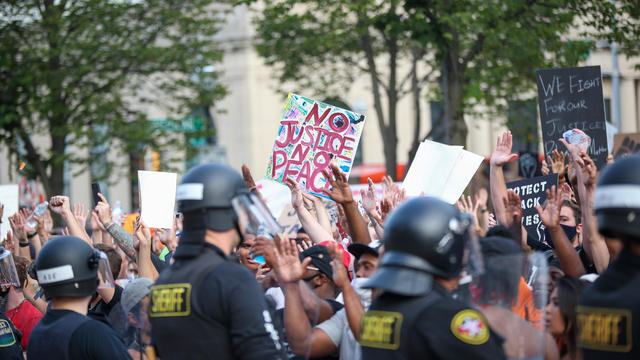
8, 272
472, 260
105, 276
254, 218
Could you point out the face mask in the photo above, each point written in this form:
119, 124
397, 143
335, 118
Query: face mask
570, 231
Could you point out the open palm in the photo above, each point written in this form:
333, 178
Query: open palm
502, 154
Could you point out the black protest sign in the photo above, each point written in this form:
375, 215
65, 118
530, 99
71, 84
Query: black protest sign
529, 166
533, 192
572, 98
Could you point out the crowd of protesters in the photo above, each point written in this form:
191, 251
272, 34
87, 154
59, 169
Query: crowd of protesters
313, 282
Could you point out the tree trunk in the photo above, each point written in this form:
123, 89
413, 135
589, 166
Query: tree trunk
415, 96
453, 95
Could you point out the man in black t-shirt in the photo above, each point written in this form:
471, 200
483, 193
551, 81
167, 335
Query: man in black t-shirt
67, 270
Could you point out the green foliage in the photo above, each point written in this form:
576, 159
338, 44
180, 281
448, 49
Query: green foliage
83, 72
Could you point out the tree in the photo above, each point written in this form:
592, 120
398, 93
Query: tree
79, 72
487, 51
324, 45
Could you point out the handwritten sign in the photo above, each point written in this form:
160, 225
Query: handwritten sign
626, 144
533, 192
572, 98
8, 198
311, 136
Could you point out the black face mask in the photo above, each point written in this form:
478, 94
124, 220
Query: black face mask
570, 231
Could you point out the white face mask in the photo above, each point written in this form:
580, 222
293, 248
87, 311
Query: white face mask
364, 294
131, 276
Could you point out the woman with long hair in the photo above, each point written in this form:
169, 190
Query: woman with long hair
561, 315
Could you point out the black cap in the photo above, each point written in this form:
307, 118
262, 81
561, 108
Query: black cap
320, 258
357, 249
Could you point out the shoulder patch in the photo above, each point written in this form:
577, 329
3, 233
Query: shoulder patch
381, 329
7, 338
170, 300
470, 327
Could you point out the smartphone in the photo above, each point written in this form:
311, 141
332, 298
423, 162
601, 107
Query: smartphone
95, 189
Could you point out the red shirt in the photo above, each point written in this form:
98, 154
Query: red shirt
25, 316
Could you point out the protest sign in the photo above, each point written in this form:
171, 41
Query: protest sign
572, 98
289, 221
532, 192
157, 198
528, 165
311, 136
441, 170
9, 198
626, 144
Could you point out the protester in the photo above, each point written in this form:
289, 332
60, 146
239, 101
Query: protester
135, 303
561, 315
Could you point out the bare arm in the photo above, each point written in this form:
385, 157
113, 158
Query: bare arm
316, 232
341, 193
121, 236
498, 187
550, 216
61, 206
145, 266
321, 212
352, 304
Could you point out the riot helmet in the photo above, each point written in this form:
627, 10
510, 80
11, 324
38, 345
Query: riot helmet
423, 237
617, 199
68, 266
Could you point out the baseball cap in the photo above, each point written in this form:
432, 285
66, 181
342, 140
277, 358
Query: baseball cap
357, 249
135, 291
320, 258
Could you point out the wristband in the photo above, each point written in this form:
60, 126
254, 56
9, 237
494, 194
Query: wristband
23, 244
29, 236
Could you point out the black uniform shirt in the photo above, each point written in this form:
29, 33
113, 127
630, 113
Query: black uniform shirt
400, 328
10, 337
231, 313
91, 340
609, 312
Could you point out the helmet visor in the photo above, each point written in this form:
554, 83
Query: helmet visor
254, 218
104, 271
8, 272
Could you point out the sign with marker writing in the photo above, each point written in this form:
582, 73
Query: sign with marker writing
533, 192
311, 136
626, 144
572, 98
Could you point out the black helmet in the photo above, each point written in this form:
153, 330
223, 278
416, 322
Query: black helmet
423, 237
204, 197
617, 199
67, 266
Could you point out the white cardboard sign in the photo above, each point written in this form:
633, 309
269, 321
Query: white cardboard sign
157, 198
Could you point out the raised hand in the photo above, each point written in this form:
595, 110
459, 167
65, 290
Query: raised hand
8, 243
491, 221
266, 248
340, 277
103, 210
550, 215
574, 150
296, 193
48, 221
544, 169
80, 214
17, 224
370, 199
588, 170
557, 161
470, 207
25, 215
60, 205
248, 178
513, 208
287, 261
142, 233
502, 154
340, 191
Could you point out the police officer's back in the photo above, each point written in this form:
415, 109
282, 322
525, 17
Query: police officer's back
415, 317
204, 306
609, 310
67, 270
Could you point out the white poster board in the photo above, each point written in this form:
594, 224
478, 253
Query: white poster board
9, 198
157, 198
440, 170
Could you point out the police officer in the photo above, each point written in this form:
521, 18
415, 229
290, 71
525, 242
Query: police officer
67, 270
204, 306
609, 311
415, 317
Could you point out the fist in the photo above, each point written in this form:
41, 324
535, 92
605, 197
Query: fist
60, 204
